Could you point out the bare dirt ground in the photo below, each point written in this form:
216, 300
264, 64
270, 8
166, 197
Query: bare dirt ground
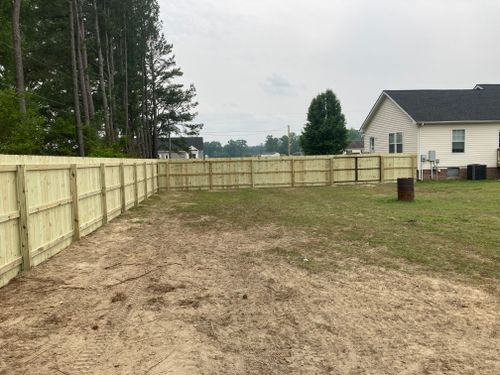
151, 295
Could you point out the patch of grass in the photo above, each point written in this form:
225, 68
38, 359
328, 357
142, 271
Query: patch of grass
451, 227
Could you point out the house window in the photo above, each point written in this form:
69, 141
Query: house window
372, 144
458, 140
395, 143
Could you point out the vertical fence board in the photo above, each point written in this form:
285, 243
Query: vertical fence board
23, 218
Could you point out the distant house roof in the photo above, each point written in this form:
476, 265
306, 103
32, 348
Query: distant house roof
355, 145
182, 143
480, 104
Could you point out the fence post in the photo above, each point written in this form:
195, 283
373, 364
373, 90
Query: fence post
292, 165
136, 186
252, 177
414, 162
22, 204
382, 169
104, 195
332, 181
157, 176
356, 169
210, 176
122, 186
145, 180
152, 178
73, 184
167, 173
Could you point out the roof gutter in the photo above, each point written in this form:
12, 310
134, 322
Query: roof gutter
460, 122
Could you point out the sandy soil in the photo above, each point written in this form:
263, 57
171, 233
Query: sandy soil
162, 297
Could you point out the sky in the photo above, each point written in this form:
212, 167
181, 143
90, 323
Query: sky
257, 64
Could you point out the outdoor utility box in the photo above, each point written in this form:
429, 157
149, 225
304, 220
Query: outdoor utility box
476, 172
432, 156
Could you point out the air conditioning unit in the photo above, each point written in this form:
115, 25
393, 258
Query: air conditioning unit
476, 172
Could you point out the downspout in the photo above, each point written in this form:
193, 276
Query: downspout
419, 154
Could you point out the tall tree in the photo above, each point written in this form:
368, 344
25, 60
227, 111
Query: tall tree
18, 55
100, 60
74, 74
325, 132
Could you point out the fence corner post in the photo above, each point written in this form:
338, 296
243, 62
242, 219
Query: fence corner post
104, 195
22, 204
292, 171
75, 198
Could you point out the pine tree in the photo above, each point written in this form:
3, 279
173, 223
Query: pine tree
325, 132
111, 56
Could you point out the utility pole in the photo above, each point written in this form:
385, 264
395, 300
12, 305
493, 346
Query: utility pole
289, 142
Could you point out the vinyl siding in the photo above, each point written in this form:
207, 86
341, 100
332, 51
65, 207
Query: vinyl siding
481, 144
390, 119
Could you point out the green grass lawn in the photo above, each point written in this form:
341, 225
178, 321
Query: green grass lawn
452, 227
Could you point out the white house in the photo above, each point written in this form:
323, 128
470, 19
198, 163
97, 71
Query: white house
354, 148
181, 148
454, 127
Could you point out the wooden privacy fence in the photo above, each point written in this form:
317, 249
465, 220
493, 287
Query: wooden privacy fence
45, 207
284, 172
46, 203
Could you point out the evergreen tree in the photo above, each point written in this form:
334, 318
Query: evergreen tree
325, 132
98, 73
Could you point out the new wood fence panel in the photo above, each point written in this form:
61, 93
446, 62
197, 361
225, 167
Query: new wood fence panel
48, 202
344, 170
90, 199
113, 186
325, 170
10, 245
272, 173
227, 175
368, 169
398, 167
311, 172
50, 218
129, 186
140, 182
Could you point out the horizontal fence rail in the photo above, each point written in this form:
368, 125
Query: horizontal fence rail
304, 171
46, 203
45, 206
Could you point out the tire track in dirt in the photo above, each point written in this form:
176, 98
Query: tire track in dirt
117, 320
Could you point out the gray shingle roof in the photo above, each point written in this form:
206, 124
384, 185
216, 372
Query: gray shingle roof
355, 145
479, 104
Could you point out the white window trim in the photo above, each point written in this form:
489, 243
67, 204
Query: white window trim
465, 142
372, 145
396, 144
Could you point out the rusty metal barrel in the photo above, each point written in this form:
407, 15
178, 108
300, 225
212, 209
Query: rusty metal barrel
406, 189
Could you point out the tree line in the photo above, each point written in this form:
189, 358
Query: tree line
240, 147
89, 77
